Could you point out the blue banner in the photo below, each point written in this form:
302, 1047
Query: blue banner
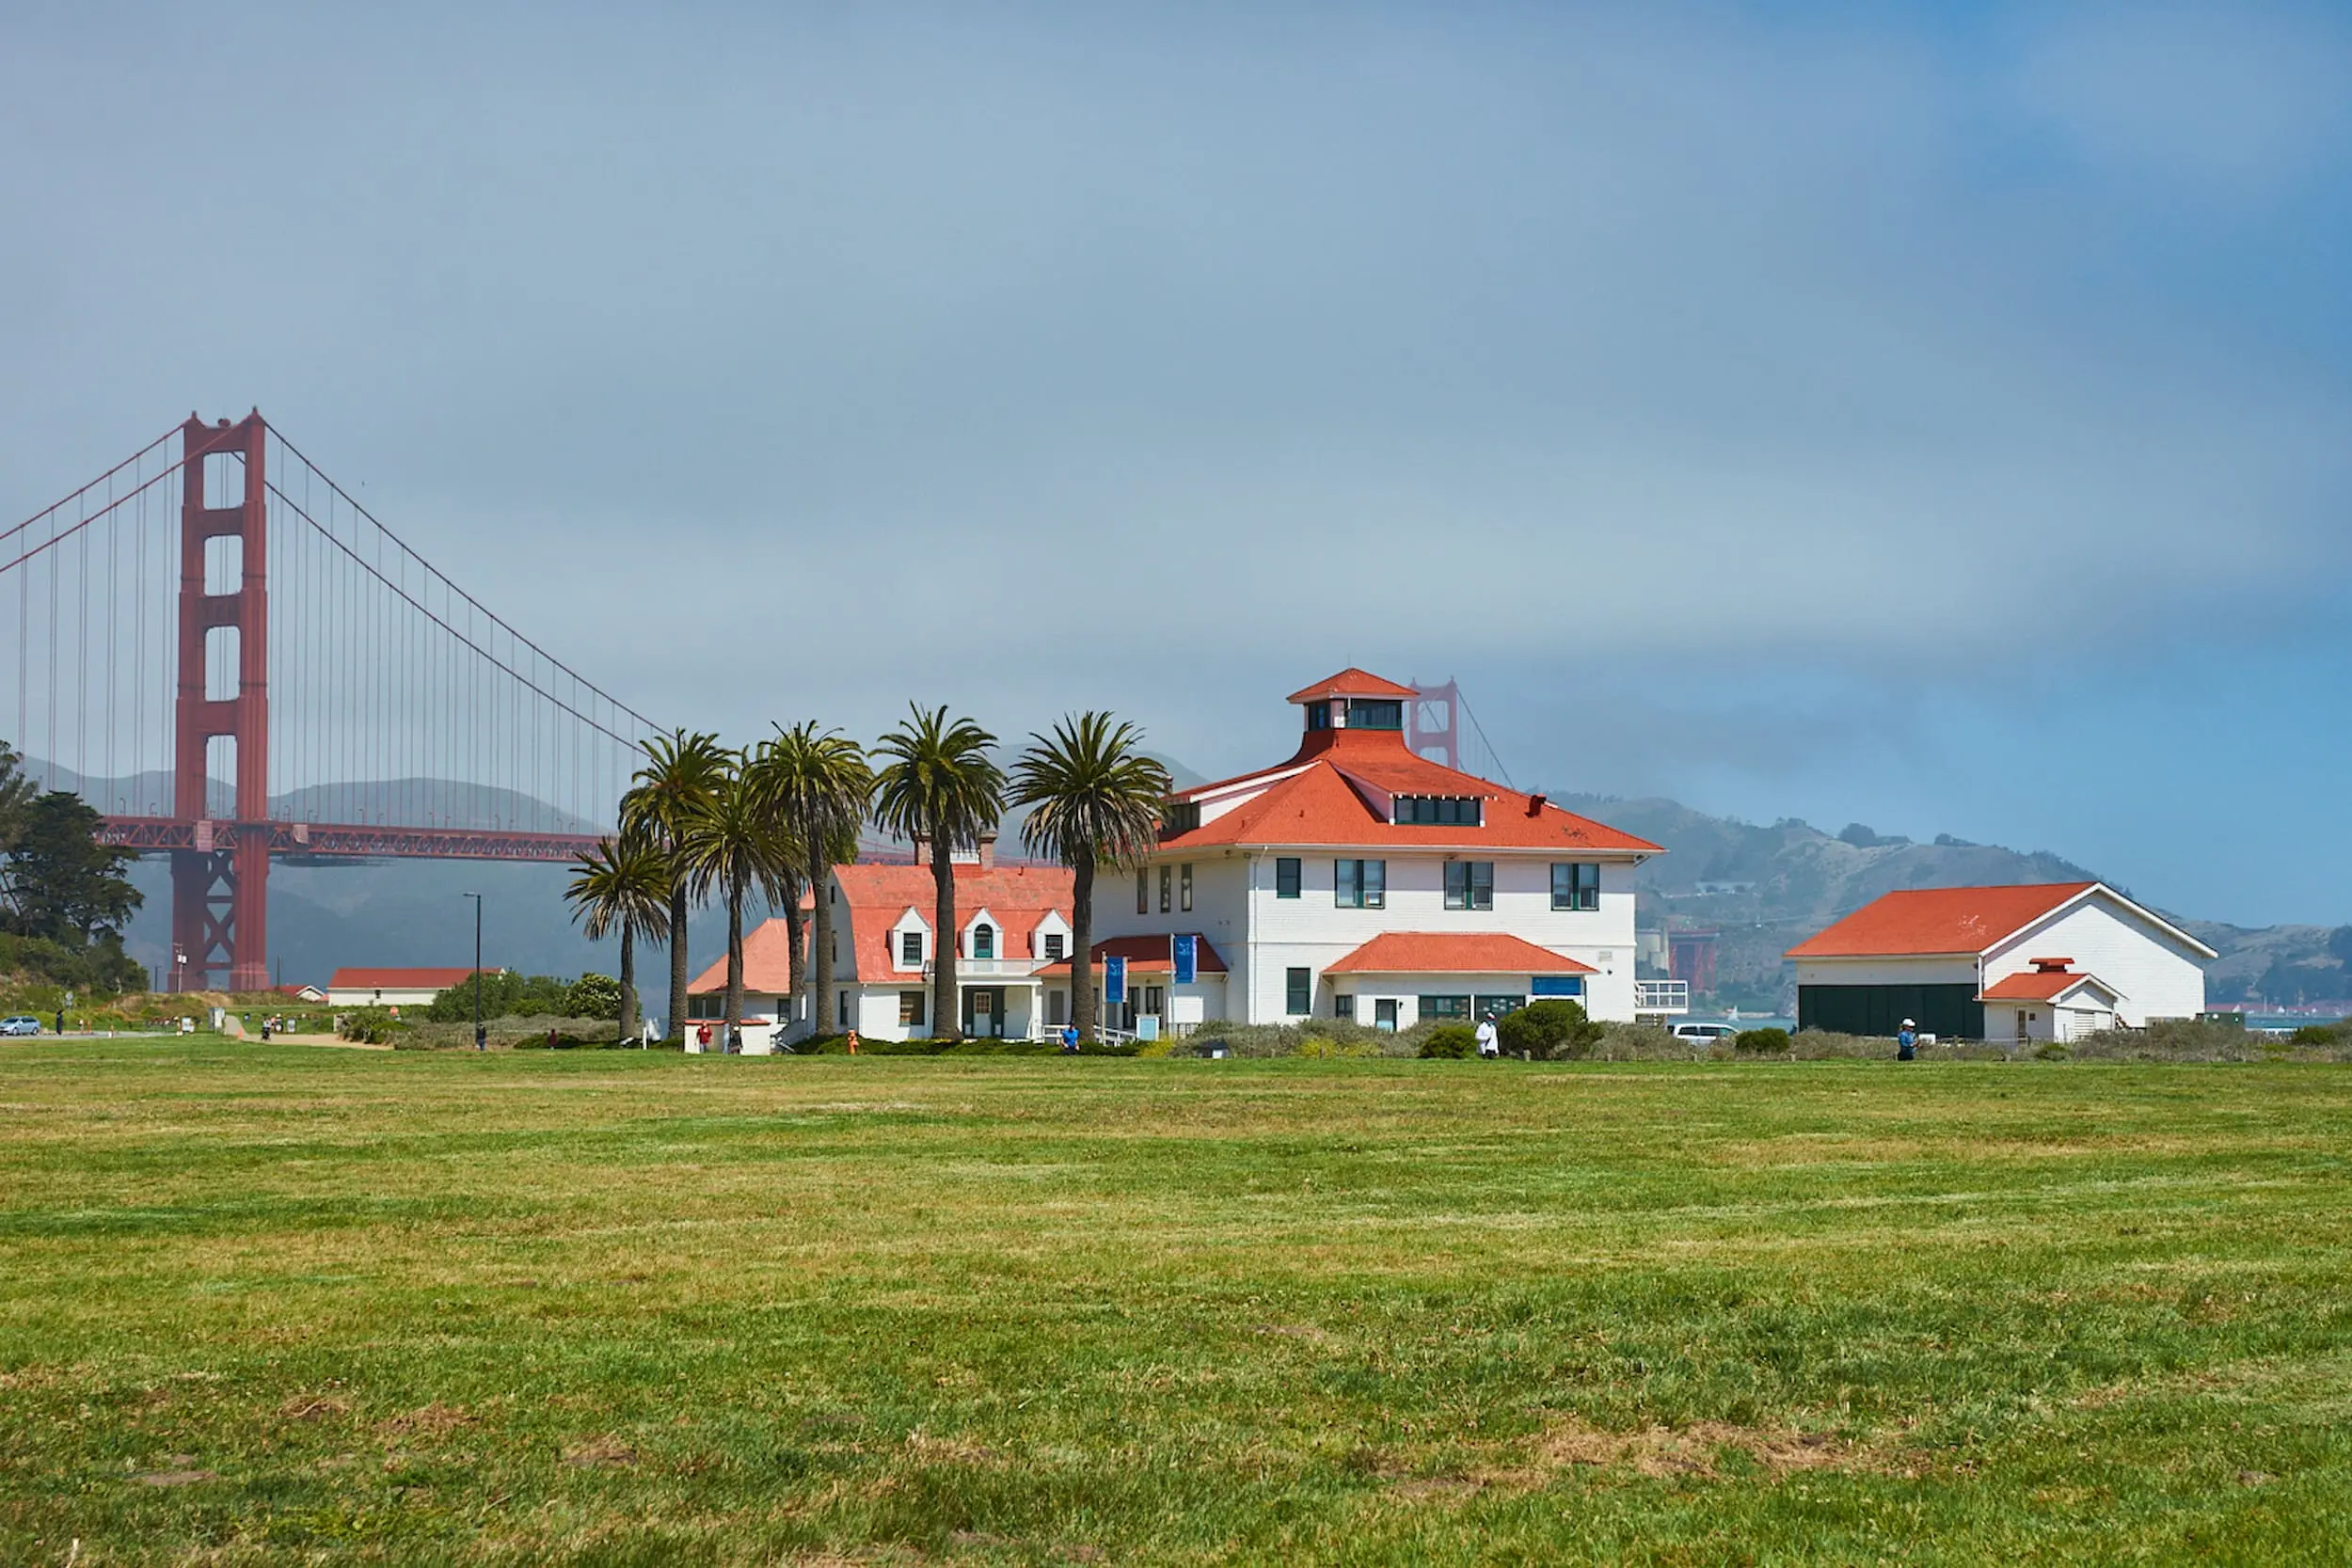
1187, 955
1556, 985
1114, 982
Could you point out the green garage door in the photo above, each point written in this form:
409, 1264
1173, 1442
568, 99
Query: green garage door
1951, 1011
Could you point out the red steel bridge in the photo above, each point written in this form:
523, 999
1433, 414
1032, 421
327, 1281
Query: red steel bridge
233, 660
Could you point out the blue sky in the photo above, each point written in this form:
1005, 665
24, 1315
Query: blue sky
1940, 417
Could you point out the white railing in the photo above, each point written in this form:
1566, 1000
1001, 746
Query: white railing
986, 969
1662, 996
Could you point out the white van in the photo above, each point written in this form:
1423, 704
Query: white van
1705, 1034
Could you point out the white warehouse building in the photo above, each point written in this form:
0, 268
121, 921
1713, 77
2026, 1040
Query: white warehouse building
2042, 961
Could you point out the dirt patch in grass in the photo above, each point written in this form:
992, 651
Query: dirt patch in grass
312, 1407
433, 1420
600, 1453
1698, 1449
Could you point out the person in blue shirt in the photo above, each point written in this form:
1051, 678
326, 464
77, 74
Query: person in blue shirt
1907, 1042
1070, 1039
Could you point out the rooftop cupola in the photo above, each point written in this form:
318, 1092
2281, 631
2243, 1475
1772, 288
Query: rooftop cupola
1353, 699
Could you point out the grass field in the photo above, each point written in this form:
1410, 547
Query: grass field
265, 1304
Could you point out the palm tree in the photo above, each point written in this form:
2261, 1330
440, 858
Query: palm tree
818, 784
680, 772
1094, 800
622, 887
942, 787
732, 842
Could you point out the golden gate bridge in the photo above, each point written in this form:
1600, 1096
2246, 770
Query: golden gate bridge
258, 667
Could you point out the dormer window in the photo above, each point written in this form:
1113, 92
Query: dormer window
1318, 716
983, 941
911, 949
1375, 713
1179, 816
1460, 811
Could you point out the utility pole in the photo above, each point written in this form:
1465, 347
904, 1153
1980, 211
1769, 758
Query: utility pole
479, 1034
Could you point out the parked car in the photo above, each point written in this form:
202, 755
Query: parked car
23, 1024
1705, 1034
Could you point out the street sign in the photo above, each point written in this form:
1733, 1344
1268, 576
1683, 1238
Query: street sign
1187, 959
1114, 982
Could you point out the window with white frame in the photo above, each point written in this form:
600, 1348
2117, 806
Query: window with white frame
911, 949
1469, 884
1360, 884
1574, 885
983, 941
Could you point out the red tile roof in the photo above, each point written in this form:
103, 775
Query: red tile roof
1352, 682
1454, 952
2043, 985
402, 979
1938, 921
874, 896
1144, 955
1318, 805
767, 963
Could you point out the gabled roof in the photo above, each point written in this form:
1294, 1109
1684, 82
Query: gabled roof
1146, 955
1949, 922
1454, 952
767, 963
1352, 682
2043, 985
402, 979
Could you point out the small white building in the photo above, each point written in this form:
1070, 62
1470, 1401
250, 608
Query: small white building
2048, 1002
394, 987
1967, 963
1357, 880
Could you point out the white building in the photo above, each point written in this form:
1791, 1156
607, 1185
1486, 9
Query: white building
1012, 925
394, 988
1360, 880
1999, 964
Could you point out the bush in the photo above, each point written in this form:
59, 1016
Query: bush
1450, 1043
1761, 1042
2050, 1051
1551, 1030
593, 996
370, 1026
2339, 1033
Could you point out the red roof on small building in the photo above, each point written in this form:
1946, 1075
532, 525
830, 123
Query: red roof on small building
1147, 954
402, 979
2038, 985
1942, 921
1454, 952
1352, 682
874, 896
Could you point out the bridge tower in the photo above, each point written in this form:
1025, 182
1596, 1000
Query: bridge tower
220, 887
1433, 723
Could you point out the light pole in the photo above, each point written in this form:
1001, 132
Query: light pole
478, 1044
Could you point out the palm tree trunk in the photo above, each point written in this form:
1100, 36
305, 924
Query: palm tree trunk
734, 956
946, 1002
678, 975
1082, 939
821, 941
796, 967
628, 980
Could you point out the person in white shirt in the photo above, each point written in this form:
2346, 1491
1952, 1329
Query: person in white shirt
1487, 1046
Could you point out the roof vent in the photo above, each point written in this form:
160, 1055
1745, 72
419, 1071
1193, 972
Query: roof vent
1536, 804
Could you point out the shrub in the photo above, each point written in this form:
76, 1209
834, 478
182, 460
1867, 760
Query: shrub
2050, 1051
2339, 1033
1761, 1042
593, 996
1552, 1029
1450, 1043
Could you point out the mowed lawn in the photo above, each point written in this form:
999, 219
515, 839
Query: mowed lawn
278, 1304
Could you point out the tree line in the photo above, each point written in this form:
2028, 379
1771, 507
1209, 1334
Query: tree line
64, 899
703, 821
